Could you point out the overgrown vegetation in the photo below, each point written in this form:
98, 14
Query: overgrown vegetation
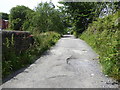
13, 61
45, 24
103, 36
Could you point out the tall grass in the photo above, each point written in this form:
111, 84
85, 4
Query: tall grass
104, 36
13, 61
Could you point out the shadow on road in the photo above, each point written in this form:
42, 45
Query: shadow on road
13, 75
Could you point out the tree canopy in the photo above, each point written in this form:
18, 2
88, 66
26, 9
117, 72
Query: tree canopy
47, 18
43, 18
80, 14
75, 15
17, 17
4, 15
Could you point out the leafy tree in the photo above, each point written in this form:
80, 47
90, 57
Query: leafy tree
47, 18
107, 8
80, 14
44, 18
18, 15
4, 15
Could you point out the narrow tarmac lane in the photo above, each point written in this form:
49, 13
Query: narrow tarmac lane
71, 63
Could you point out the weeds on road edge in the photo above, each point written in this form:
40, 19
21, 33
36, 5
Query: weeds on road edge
12, 61
103, 36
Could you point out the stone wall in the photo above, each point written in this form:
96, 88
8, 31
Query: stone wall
21, 39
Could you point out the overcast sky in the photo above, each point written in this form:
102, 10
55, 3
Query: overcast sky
6, 5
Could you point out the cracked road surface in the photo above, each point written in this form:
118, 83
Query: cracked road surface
71, 63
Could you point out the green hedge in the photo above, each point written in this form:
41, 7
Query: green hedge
13, 61
104, 36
